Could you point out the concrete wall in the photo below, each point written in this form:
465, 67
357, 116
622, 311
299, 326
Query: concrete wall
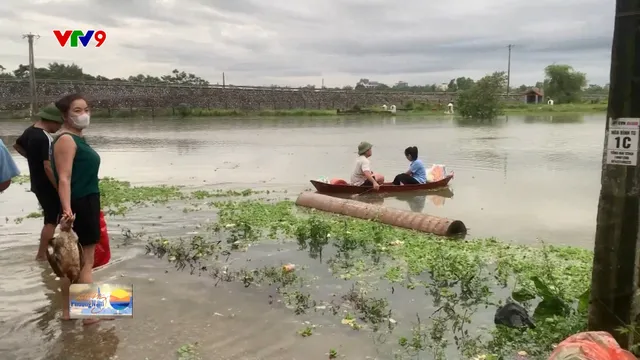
15, 96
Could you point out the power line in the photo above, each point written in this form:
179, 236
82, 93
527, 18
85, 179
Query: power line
32, 73
509, 68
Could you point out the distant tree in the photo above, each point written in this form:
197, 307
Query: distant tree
182, 78
347, 87
464, 83
523, 88
382, 87
54, 70
452, 87
431, 88
483, 99
5, 75
595, 89
563, 84
147, 79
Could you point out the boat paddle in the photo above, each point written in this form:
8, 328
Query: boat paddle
364, 192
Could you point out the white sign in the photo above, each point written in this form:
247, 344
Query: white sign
622, 141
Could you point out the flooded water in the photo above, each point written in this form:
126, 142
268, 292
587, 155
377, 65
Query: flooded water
521, 178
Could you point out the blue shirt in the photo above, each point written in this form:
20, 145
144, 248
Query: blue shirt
417, 171
8, 168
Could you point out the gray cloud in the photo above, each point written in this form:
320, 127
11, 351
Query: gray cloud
300, 42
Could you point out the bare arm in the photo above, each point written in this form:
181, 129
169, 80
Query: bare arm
49, 171
64, 151
20, 150
369, 175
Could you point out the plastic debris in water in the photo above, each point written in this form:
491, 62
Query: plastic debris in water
288, 267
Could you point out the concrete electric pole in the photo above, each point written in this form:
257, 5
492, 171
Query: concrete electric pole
509, 68
32, 74
616, 258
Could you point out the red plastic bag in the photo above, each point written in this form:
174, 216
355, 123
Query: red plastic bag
103, 252
592, 345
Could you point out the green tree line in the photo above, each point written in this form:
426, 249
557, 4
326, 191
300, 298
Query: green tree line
562, 83
59, 71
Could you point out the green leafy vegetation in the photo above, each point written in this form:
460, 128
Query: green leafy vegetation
189, 352
483, 100
563, 84
460, 278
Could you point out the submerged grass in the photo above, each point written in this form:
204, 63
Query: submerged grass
118, 197
459, 277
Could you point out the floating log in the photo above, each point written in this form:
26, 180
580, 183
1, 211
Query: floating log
401, 218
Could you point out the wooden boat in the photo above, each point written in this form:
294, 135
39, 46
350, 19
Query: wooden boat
325, 188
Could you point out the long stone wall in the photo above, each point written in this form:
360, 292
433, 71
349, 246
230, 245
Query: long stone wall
14, 95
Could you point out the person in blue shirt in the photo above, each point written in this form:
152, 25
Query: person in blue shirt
416, 173
8, 168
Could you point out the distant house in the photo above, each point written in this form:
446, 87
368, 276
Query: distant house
534, 96
442, 87
369, 84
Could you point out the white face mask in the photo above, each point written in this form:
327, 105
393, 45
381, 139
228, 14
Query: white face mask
80, 121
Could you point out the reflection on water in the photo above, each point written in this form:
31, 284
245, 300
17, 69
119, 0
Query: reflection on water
550, 193
464, 122
77, 342
500, 165
416, 200
554, 119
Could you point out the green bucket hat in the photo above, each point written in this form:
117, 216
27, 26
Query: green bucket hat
50, 113
364, 147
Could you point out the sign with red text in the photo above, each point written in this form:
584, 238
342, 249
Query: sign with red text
622, 141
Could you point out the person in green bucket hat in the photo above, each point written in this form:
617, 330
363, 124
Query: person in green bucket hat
362, 174
35, 145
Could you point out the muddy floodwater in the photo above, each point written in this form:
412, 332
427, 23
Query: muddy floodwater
522, 179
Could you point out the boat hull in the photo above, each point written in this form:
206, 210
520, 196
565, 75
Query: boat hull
325, 188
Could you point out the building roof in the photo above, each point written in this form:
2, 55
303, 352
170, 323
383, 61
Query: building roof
534, 91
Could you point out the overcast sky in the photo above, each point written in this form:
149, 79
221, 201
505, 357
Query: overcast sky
287, 42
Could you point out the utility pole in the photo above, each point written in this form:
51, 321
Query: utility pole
223, 84
509, 68
32, 74
615, 264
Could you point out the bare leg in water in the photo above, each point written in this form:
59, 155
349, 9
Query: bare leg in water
86, 274
47, 233
64, 289
86, 277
